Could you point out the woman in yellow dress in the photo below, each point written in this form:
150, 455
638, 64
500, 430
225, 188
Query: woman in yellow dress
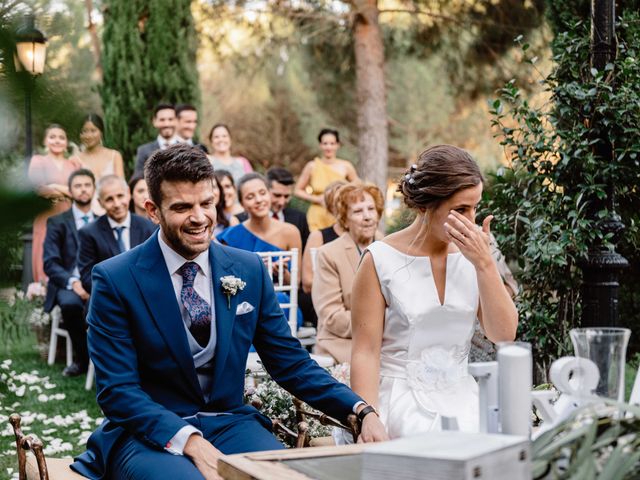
319, 173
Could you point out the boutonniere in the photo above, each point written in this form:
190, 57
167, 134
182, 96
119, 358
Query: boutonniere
230, 286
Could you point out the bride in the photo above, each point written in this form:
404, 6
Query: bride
416, 297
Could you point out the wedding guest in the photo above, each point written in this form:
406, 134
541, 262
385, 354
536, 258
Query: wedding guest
95, 156
359, 209
164, 121
417, 296
116, 232
281, 188
221, 158
319, 173
230, 195
322, 236
49, 173
222, 222
170, 339
139, 195
187, 125
260, 232
61, 247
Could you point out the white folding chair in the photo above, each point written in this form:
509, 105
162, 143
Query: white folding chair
280, 260
57, 331
91, 373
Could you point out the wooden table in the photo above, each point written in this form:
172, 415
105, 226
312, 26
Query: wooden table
317, 463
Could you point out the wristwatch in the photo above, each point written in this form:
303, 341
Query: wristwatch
366, 411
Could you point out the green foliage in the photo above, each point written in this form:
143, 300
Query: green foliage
551, 201
148, 58
592, 443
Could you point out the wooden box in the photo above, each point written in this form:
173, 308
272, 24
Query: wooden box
449, 456
433, 456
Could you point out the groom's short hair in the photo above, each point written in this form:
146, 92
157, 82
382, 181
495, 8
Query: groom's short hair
179, 163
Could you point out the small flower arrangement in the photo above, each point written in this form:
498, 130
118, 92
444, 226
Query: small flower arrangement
231, 285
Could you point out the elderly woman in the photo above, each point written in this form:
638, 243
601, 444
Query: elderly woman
358, 209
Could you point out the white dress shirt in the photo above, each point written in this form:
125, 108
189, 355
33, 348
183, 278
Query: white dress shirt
202, 284
164, 143
126, 233
77, 218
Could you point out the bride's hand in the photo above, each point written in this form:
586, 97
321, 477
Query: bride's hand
472, 242
372, 430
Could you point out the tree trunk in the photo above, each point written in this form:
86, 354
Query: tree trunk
95, 40
373, 142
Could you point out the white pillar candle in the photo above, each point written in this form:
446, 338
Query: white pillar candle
515, 371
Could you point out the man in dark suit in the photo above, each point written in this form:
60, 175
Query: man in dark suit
281, 188
186, 126
164, 121
115, 232
170, 327
61, 266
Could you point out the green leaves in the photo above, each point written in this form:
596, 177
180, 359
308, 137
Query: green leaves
552, 198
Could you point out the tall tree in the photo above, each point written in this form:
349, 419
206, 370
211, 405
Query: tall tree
373, 134
149, 57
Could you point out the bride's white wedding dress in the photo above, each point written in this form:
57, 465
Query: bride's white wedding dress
425, 345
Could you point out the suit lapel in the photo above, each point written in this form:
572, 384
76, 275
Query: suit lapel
71, 227
107, 233
351, 252
154, 281
135, 234
221, 265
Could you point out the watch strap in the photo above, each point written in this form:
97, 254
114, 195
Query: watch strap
366, 411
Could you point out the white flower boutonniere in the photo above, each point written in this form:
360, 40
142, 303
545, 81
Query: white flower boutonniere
230, 286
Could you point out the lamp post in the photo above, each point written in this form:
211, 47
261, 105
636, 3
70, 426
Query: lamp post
31, 50
602, 267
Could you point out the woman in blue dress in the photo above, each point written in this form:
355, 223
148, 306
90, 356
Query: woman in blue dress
261, 232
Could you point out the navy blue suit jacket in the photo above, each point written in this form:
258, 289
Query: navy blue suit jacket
145, 374
60, 254
97, 243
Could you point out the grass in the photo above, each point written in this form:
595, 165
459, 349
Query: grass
56, 408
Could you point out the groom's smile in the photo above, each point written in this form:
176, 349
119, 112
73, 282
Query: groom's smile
187, 216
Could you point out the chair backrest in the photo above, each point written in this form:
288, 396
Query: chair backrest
279, 261
314, 258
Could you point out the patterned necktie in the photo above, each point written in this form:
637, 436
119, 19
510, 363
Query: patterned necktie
197, 307
119, 238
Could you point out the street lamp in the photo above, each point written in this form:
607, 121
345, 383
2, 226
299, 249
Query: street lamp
29, 58
31, 51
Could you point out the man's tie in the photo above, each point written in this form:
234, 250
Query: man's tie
197, 307
119, 238
85, 220
275, 216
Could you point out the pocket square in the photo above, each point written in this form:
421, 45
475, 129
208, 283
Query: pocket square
244, 307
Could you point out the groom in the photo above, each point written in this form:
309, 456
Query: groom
169, 336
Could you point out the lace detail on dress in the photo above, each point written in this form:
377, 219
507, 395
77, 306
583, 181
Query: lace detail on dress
439, 368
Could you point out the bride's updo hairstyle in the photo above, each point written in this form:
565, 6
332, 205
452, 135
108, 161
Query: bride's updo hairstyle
441, 171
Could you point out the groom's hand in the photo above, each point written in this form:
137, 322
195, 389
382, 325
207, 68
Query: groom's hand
204, 456
372, 430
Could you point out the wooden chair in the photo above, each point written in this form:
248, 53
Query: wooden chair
32, 464
58, 331
301, 438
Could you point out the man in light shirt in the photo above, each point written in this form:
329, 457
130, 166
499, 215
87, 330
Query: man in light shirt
170, 327
115, 232
187, 125
164, 121
60, 264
